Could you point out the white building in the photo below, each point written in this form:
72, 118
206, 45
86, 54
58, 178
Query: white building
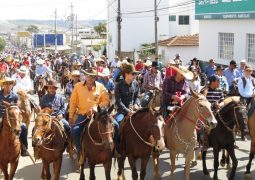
226, 30
182, 18
86, 33
137, 26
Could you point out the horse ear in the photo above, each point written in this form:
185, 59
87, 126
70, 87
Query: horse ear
98, 109
111, 109
194, 94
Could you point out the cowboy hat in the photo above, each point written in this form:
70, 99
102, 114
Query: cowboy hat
90, 71
51, 83
104, 73
75, 73
7, 79
148, 63
22, 69
248, 67
129, 68
98, 60
172, 62
123, 63
77, 64
184, 71
40, 61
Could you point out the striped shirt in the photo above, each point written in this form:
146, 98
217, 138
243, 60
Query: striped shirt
214, 95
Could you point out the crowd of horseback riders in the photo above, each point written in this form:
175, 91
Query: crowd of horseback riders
122, 108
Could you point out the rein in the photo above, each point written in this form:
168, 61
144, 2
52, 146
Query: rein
12, 130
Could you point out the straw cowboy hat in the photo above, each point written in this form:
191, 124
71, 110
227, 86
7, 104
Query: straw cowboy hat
77, 64
75, 73
104, 73
90, 71
40, 61
22, 69
7, 79
98, 60
184, 71
51, 83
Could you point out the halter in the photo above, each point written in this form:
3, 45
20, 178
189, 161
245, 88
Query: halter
12, 130
100, 133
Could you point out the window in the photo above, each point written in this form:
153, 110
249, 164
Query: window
172, 18
183, 20
226, 45
251, 48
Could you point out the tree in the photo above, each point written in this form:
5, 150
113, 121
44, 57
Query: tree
100, 28
2, 44
32, 29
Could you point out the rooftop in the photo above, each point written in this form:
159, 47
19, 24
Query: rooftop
187, 40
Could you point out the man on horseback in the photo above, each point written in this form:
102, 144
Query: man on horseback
85, 98
23, 81
126, 97
152, 80
56, 102
8, 98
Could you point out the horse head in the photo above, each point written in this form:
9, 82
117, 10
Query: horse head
204, 111
236, 114
42, 125
157, 130
13, 119
104, 121
22, 95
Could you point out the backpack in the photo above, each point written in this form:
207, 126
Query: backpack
244, 82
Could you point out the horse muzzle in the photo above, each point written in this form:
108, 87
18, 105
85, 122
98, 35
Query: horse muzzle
213, 124
37, 141
109, 145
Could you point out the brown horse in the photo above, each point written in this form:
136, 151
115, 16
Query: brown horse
180, 130
251, 127
97, 143
25, 106
139, 135
9, 141
50, 141
39, 87
64, 79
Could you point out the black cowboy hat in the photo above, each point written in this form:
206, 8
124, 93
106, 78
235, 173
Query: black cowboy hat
154, 64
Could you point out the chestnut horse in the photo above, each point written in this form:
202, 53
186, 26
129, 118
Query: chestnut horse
39, 87
25, 106
9, 141
50, 141
139, 135
64, 79
97, 143
180, 130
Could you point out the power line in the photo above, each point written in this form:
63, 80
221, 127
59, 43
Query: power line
100, 12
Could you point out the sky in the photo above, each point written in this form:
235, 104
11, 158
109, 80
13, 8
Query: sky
44, 9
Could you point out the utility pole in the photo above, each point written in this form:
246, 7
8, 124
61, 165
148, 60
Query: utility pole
119, 19
156, 29
76, 33
72, 26
56, 36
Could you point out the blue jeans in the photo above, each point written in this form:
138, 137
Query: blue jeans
23, 135
119, 117
77, 130
66, 127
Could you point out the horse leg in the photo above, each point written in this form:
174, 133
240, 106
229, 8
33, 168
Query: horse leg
216, 151
187, 165
223, 158
92, 172
120, 173
107, 170
4, 168
205, 171
155, 156
228, 160
248, 166
13, 168
172, 166
132, 161
82, 175
46, 167
231, 152
57, 167
144, 163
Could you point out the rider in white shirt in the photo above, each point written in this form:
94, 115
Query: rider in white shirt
23, 81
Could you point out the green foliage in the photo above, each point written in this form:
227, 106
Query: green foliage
97, 47
2, 44
100, 29
32, 29
147, 50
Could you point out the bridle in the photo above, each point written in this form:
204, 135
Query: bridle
100, 133
8, 118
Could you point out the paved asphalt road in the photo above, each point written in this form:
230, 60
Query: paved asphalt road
28, 171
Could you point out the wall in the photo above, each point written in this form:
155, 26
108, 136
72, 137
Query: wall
187, 53
208, 38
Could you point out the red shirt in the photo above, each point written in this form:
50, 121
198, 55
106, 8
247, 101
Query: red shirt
139, 67
3, 67
170, 72
26, 63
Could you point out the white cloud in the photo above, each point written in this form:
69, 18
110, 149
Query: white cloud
35, 9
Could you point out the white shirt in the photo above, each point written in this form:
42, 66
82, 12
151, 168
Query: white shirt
248, 91
24, 84
115, 64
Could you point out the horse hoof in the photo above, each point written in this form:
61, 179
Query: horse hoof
248, 175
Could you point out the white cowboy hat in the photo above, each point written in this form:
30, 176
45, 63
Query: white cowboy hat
184, 71
40, 61
104, 73
22, 69
171, 62
98, 60
75, 73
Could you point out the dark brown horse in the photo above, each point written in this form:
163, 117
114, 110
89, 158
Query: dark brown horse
9, 141
139, 134
50, 142
97, 143
64, 79
39, 87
